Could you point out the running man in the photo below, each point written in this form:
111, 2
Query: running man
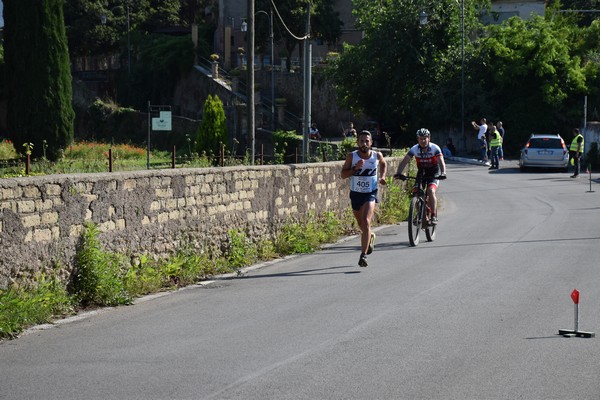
366, 169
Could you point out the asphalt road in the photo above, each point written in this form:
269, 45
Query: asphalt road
473, 315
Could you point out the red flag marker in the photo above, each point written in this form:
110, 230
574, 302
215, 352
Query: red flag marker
576, 331
575, 296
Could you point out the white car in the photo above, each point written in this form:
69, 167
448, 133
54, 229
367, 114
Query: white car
544, 151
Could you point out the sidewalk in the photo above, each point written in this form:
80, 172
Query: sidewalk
467, 161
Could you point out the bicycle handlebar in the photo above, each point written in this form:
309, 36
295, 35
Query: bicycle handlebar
406, 177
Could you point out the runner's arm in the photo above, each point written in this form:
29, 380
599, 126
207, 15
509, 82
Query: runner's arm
347, 168
382, 168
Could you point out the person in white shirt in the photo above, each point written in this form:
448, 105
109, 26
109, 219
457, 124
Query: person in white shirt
482, 128
366, 169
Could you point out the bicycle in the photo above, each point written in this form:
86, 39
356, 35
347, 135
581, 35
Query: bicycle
419, 213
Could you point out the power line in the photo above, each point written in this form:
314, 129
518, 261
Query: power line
285, 26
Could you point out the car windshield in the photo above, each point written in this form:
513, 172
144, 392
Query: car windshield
545, 143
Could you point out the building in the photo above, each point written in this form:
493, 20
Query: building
504, 9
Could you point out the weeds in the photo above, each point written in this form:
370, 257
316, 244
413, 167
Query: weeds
25, 306
242, 251
394, 204
98, 274
308, 235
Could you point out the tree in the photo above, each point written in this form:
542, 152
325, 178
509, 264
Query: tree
402, 73
163, 60
583, 18
212, 130
100, 27
535, 78
38, 76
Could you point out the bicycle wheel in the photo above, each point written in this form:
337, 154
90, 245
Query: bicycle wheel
430, 233
429, 229
415, 213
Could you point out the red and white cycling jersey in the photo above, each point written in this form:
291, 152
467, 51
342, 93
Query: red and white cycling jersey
427, 158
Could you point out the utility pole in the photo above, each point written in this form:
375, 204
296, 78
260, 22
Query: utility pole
250, 86
462, 80
273, 122
307, 89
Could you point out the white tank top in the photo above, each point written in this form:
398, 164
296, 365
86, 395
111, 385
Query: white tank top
365, 179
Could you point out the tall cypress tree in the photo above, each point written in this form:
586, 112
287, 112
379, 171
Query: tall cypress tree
38, 76
213, 129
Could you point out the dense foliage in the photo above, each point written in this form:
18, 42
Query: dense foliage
98, 27
531, 74
39, 92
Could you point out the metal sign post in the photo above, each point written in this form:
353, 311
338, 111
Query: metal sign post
576, 331
159, 119
589, 171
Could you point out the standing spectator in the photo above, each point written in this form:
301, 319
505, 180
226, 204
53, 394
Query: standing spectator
495, 144
575, 151
482, 129
366, 169
350, 132
489, 134
314, 132
500, 128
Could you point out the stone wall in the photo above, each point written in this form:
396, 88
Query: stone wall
155, 212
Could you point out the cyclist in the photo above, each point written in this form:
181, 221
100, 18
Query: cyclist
366, 169
430, 164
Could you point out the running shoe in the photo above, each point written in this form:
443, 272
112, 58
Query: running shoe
371, 243
434, 220
362, 261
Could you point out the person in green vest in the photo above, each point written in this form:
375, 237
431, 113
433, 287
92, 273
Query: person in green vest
495, 144
575, 151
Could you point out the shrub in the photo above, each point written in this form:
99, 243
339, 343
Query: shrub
212, 130
242, 251
7, 150
98, 275
286, 143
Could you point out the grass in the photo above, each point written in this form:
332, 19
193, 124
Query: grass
87, 157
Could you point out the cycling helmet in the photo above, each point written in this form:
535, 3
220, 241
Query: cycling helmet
423, 132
